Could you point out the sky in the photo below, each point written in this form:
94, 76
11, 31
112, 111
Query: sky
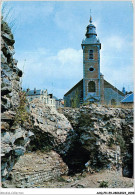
48, 37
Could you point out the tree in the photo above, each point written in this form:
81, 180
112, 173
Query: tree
76, 100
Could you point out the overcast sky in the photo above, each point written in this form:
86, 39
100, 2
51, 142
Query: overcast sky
48, 37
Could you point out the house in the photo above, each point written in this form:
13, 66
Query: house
59, 102
128, 100
93, 87
43, 95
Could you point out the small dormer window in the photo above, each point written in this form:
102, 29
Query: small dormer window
90, 54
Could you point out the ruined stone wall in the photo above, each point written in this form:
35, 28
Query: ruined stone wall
14, 137
104, 138
42, 161
17, 139
36, 168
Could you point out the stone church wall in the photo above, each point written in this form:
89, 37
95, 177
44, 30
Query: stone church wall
110, 94
76, 94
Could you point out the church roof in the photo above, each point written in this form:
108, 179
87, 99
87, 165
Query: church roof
91, 35
79, 83
106, 85
128, 99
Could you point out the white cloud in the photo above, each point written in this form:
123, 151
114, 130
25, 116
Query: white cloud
120, 77
70, 55
116, 67
113, 42
58, 73
115, 45
54, 72
62, 20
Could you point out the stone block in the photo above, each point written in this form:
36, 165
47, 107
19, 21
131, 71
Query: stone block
19, 151
3, 58
8, 38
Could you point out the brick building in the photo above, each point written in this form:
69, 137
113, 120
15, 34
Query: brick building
93, 87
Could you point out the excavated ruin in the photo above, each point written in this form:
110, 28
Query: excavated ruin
104, 138
40, 143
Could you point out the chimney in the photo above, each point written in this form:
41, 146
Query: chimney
51, 95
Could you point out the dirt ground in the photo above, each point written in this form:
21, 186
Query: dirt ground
109, 179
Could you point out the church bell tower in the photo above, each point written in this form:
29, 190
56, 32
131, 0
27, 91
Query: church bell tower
91, 65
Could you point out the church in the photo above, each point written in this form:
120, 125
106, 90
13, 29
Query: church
93, 87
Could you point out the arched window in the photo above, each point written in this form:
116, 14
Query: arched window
91, 54
91, 86
113, 102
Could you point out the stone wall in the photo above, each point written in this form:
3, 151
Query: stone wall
36, 168
14, 137
110, 94
51, 128
104, 138
42, 162
74, 96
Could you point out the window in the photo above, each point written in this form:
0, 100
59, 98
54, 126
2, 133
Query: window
90, 54
91, 69
91, 86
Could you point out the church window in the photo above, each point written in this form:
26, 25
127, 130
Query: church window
91, 86
90, 54
91, 69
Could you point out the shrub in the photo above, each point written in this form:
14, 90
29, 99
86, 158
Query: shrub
75, 101
61, 179
110, 142
47, 148
21, 111
103, 184
121, 142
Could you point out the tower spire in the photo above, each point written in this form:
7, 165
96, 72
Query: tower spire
90, 17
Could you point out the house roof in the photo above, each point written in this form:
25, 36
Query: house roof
55, 98
128, 99
31, 92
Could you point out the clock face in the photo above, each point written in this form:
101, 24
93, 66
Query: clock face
91, 69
